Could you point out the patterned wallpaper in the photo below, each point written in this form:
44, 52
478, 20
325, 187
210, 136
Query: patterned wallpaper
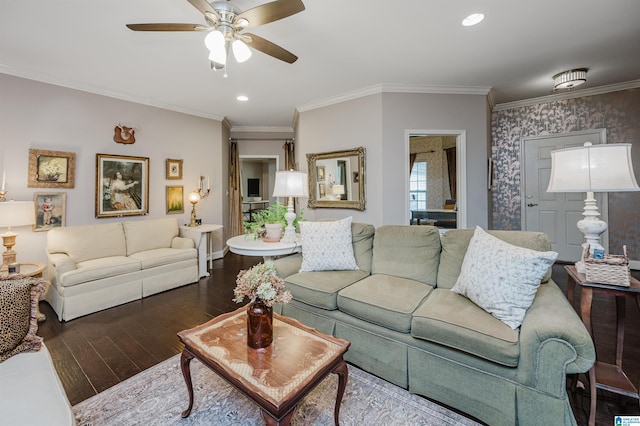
617, 112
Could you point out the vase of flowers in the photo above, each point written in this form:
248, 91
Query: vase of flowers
264, 288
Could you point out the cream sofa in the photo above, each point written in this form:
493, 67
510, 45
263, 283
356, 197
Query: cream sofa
94, 267
31, 393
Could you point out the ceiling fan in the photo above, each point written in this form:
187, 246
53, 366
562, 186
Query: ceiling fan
226, 24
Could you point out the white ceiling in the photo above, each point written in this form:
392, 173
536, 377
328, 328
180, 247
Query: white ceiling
344, 47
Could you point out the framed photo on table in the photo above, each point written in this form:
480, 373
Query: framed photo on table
175, 199
49, 210
122, 185
174, 169
51, 169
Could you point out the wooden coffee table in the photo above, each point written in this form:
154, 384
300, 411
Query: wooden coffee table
277, 377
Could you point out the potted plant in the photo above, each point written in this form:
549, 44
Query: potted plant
271, 217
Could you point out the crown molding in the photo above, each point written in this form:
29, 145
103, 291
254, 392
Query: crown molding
74, 85
580, 93
395, 88
261, 129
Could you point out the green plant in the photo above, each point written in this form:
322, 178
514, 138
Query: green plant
273, 214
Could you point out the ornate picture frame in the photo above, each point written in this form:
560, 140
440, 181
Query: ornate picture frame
122, 186
50, 210
51, 169
174, 169
175, 199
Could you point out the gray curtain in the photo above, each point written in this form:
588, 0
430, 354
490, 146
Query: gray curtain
235, 196
451, 166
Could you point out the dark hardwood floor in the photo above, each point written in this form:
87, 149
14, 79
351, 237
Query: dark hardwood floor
97, 351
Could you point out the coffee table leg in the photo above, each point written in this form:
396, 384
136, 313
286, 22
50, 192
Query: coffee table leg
185, 361
343, 376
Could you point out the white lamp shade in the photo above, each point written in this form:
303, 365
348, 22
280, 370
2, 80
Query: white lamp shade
291, 184
593, 168
17, 213
240, 51
194, 197
338, 189
215, 42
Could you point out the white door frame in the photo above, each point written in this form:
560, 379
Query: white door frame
461, 170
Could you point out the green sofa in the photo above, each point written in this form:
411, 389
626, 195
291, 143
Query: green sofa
406, 325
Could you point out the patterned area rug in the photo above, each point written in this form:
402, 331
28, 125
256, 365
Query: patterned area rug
158, 395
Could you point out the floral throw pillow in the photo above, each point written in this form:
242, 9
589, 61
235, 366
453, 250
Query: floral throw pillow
326, 246
502, 278
19, 297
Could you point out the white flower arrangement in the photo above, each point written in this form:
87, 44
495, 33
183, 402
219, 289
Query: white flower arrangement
261, 282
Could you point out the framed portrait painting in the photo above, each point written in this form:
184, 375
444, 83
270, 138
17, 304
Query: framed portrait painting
174, 169
49, 210
122, 185
51, 169
175, 199
320, 173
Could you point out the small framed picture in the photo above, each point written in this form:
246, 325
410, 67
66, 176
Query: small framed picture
49, 210
174, 169
175, 199
51, 169
320, 173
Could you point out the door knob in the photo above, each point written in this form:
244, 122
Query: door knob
532, 204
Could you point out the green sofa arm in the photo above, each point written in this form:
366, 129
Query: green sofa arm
553, 339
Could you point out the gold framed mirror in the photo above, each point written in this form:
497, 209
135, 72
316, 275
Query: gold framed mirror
337, 179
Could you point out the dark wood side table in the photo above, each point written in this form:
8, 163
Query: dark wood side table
603, 375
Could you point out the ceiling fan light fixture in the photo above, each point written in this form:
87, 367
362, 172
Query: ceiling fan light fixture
218, 56
569, 79
240, 51
214, 40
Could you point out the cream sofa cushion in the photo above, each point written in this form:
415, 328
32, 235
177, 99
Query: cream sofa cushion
88, 242
163, 256
149, 234
97, 269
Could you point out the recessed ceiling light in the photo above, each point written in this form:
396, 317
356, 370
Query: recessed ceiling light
242, 98
473, 19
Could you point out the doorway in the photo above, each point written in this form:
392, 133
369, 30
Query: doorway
556, 214
257, 177
439, 205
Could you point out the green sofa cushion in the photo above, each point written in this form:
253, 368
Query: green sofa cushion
411, 252
385, 300
321, 289
450, 319
456, 241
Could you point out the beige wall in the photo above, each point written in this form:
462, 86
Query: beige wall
43, 116
378, 123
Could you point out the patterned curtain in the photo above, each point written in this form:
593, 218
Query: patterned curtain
289, 155
235, 197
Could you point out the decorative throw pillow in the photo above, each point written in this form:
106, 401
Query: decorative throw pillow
326, 246
19, 297
502, 278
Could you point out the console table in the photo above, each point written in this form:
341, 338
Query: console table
603, 375
248, 246
202, 235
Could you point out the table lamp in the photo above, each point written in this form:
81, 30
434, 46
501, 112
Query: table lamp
14, 213
338, 191
194, 198
592, 168
290, 184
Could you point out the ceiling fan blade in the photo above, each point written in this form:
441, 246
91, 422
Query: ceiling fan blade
270, 12
265, 46
167, 27
203, 6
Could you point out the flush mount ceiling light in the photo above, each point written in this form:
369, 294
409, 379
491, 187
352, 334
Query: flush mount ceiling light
473, 19
569, 79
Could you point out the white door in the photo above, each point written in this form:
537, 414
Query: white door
556, 214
